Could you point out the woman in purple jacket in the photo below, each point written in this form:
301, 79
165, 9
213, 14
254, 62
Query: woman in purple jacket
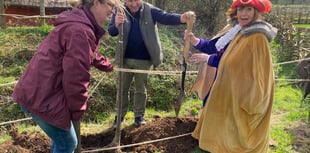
53, 88
236, 117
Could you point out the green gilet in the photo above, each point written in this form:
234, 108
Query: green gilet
149, 33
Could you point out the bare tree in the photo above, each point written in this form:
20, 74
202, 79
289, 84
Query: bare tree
160, 3
42, 12
2, 18
210, 13
150, 1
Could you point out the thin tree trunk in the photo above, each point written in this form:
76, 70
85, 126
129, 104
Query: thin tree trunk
119, 99
2, 18
42, 12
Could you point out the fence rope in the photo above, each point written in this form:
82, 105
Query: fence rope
290, 62
29, 118
294, 80
167, 73
193, 72
10, 100
15, 121
8, 84
152, 72
19, 16
5, 100
170, 73
93, 90
306, 49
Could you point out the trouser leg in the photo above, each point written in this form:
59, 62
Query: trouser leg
140, 94
62, 140
140, 83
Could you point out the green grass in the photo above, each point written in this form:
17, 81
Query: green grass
287, 112
29, 128
4, 137
198, 150
302, 25
282, 138
17, 47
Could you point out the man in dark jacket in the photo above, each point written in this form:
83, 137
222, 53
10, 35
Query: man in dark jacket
142, 48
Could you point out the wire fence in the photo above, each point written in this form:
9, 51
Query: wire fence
20, 16
22, 19
174, 73
8, 100
300, 15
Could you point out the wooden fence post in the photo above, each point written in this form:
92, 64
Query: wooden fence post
298, 38
307, 17
2, 17
299, 18
285, 14
42, 12
292, 13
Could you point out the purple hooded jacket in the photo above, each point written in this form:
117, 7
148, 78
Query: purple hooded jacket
54, 85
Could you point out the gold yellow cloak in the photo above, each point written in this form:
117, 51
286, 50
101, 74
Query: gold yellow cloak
236, 118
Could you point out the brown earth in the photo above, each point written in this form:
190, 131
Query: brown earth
301, 139
157, 129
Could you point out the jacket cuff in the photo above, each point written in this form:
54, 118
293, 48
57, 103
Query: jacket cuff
210, 60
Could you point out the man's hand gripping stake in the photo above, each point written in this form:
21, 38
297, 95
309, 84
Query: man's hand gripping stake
189, 28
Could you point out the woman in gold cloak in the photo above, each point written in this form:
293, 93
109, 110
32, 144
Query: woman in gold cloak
237, 110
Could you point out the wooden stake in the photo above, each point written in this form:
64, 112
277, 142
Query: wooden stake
189, 28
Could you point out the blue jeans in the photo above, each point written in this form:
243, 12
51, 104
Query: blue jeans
62, 141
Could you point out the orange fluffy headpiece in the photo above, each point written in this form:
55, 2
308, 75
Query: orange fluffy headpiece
259, 5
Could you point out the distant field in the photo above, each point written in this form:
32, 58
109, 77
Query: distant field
295, 14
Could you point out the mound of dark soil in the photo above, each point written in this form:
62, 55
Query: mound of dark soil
170, 135
167, 135
301, 137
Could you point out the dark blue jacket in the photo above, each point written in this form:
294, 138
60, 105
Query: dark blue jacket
136, 46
